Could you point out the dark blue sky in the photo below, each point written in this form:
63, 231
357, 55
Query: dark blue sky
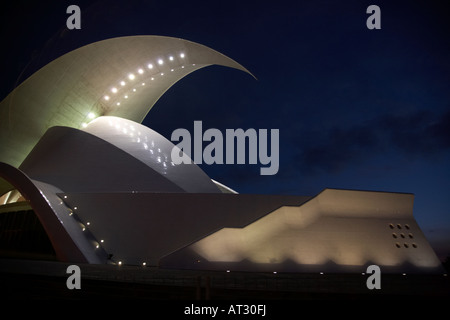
356, 108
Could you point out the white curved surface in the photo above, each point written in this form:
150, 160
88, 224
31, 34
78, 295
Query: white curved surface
77, 161
121, 77
153, 149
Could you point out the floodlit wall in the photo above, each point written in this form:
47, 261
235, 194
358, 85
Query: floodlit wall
338, 230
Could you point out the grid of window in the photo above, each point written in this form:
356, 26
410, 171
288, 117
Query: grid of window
402, 235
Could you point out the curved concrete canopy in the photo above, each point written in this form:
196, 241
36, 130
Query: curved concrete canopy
122, 77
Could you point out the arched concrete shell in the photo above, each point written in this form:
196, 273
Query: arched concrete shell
107, 157
121, 77
151, 148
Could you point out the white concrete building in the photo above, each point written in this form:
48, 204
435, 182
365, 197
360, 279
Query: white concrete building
73, 150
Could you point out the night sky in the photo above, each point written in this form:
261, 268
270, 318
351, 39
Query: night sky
356, 108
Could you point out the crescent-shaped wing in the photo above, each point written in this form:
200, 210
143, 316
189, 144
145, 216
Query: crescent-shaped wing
122, 77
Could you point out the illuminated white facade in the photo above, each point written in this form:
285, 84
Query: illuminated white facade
106, 191
337, 230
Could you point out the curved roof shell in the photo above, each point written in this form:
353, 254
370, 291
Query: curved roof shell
122, 77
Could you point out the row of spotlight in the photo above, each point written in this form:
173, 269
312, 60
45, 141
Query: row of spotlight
87, 224
133, 76
141, 71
